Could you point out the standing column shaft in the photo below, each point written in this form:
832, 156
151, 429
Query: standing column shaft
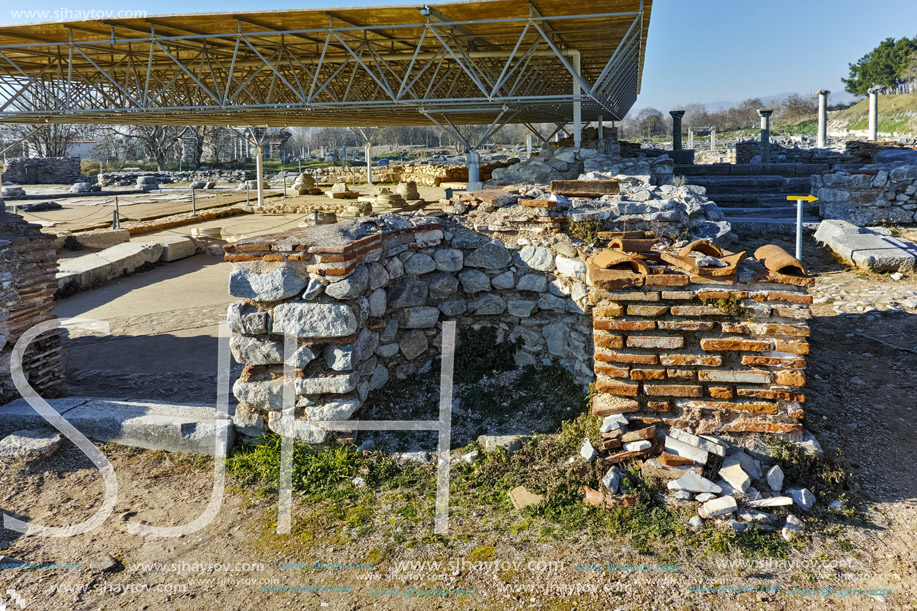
765, 134
528, 146
873, 114
690, 137
822, 136
676, 128
473, 161
713, 139
259, 167
577, 106
369, 163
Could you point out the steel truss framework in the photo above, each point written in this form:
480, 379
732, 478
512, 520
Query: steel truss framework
361, 67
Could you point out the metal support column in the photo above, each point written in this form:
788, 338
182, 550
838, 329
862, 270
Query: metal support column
259, 167
577, 105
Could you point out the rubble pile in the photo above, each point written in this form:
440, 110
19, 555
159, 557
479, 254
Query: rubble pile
728, 485
648, 198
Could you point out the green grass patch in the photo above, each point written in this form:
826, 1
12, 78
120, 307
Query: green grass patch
587, 231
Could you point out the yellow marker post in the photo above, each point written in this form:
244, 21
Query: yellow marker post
799, 199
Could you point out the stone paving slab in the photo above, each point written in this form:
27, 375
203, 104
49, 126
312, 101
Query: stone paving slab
141, 424
872, 248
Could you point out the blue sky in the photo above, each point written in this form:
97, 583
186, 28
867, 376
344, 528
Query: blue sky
698, 51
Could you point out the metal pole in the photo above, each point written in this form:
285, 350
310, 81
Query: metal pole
284, 176
248, 190
193, 203
259, 166
116, 216
799, 229
577, 106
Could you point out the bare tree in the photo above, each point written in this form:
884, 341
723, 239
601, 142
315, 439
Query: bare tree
51, 141
158, 142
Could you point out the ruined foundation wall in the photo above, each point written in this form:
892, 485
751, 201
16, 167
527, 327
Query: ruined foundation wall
869, 194
702, 354
28, 264
366, 301
49, 170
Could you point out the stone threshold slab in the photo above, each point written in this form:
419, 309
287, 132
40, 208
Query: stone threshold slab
132, 422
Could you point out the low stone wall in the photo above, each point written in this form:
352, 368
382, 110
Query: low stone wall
366, 299
746, 151
424, 174
705, 354
871, 194
48, 170
27, 266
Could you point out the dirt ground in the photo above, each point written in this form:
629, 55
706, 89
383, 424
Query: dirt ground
860, 399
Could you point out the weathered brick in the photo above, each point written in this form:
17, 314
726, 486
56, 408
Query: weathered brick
789, 297
789, 378
720, 392
663, 343
680, 325
658, 406
799, 313
736, 377
616, 387
774, 395
624, 357
757, 408
609, 310
612, 372
624, 325
681, 374
709, 295
647, 374
637, 296
703, 310
761, 427
791, 347
678, 295
606, 405
769, 330
647, 432
773, 361
682, 360
605, 340
611, 444
646, 310
667, 280
674, 460
672, 390
734, 343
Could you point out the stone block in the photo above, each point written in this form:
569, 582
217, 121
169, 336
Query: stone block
314, 320
275, 285
176, 247
102, 238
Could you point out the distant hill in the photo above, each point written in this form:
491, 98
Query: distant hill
897, 113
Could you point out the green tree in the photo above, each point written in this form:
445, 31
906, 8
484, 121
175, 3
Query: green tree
884, 65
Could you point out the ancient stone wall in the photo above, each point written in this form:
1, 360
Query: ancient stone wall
28, 264
869, 194
705, 354
366, 300
49, 170
746, 151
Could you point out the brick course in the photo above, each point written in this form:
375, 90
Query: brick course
709, 370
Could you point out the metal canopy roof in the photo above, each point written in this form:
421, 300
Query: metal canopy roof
492, 61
